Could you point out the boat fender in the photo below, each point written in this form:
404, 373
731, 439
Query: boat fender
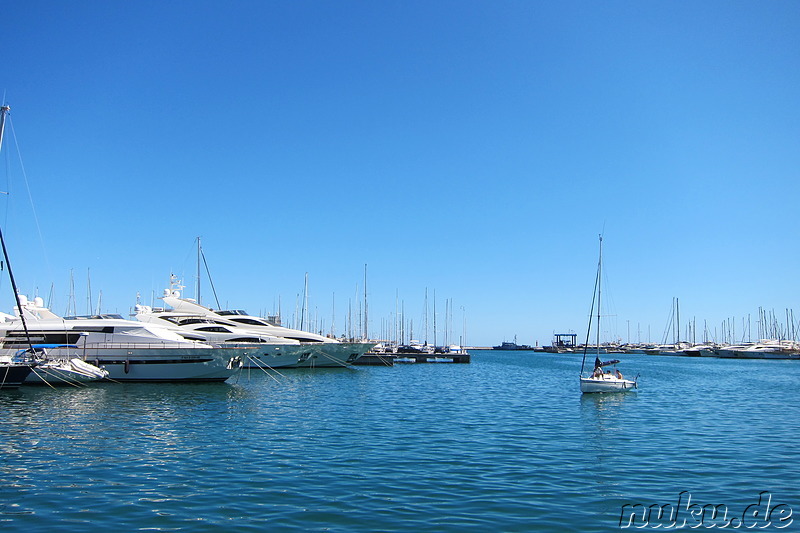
127, 365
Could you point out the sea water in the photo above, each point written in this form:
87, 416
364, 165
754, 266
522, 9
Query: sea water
506, 443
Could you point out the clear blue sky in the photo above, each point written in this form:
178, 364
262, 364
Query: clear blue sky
475, 149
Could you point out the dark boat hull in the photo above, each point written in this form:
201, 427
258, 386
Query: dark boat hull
12, 375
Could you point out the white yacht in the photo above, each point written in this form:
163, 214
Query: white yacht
266, 351
327, 352
128, 350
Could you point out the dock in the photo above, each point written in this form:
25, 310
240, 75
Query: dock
433, 358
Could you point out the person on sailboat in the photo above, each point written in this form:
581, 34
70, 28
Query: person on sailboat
598, 367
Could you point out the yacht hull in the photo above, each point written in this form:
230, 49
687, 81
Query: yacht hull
167, 364
275, 355
335, 354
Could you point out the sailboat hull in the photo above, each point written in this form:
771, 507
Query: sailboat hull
607, 384
12, 375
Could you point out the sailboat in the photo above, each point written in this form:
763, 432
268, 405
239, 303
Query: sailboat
600, 380
66, 368
12, 371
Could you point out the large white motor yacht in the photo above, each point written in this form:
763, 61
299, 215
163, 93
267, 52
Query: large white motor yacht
266, 351
326, 352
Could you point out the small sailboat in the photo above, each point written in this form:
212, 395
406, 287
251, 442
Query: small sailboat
601, 380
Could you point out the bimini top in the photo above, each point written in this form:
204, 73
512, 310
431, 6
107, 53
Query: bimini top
42, 346
598, 363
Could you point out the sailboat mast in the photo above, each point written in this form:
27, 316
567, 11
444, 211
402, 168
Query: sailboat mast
434, 317
197, 295
366, 323
3, 111
599, 279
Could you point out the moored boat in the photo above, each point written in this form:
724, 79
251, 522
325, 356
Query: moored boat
12, 375
326, 352
58, 364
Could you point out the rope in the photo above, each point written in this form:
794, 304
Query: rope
334, 359
263, 367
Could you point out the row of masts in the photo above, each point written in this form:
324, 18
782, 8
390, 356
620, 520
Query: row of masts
357, 323
768, 326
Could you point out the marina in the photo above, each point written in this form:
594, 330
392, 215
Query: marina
410, 326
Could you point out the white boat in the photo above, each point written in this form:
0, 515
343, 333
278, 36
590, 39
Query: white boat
764, 349
128, 350
327, 352
266, 351
601, 380
606, 381
59, 364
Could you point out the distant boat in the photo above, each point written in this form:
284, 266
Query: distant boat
505, 345
601, 380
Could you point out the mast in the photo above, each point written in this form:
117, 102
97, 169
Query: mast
197, 292
333, 317
305, 303
599, 280
595, 298
434, 317
88, 291
366, 335
426, 316
3, 111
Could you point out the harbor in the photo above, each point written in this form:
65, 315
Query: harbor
399, 267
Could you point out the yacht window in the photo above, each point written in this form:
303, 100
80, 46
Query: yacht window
245, 339
251, 321
187, 321
217, 329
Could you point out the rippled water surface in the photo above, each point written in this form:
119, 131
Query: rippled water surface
506, 443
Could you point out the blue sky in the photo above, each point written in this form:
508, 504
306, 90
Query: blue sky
474, 149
